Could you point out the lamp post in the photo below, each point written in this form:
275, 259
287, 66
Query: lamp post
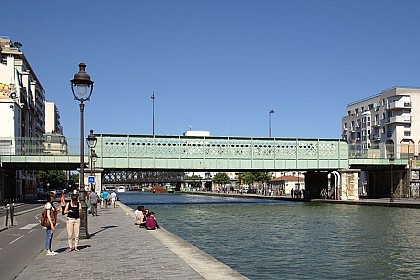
153, 112
271, 111
391, 163
82, 87
91, 142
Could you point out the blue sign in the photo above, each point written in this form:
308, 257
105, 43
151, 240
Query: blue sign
91, 179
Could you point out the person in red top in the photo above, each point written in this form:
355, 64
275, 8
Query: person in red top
151, 222
62, 203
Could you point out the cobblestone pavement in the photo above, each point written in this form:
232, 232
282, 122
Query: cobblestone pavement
117, 249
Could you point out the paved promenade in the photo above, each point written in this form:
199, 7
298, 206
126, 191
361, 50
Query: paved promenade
118, 249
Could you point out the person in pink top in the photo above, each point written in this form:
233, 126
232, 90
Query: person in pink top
151, 222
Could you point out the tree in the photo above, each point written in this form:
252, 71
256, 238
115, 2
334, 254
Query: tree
250, 178
221, 178
247, 178
55, 179
263, 177
194, 180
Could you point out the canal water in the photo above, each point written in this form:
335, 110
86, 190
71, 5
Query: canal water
293, 240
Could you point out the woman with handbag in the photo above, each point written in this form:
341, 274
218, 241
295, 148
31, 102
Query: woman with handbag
51, 213
73, 222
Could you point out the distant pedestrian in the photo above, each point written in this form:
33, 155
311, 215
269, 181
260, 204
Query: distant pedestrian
62, 203
113, 199
73, 222
105, 195
93, 198
292, 192
50, 231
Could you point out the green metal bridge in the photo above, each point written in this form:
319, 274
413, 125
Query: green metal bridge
136, 152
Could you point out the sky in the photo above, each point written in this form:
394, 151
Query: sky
217, 65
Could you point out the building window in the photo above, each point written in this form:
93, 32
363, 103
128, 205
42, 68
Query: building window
407, 133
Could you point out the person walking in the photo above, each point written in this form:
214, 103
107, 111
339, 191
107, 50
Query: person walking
113, 199
62, 203
51, 212
93, 197
73, 222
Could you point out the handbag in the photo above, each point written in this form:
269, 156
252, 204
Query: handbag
45, 222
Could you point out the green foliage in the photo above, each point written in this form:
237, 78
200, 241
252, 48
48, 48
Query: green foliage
193, 177
55, 178
196, 184
250, 178
221, 178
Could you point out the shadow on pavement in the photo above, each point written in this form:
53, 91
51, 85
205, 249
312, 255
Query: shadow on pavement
102, 229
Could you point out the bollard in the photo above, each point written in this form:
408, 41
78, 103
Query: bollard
7, 212
12, 213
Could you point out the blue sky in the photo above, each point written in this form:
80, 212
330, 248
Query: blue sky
217, 65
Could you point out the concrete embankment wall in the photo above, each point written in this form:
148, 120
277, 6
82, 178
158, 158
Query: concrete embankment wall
404, 203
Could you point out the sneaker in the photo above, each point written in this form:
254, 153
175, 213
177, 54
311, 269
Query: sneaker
51, 253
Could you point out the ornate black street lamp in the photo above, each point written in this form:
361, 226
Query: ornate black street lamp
391, 163
82, 87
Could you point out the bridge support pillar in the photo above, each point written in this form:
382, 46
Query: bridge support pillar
348, 183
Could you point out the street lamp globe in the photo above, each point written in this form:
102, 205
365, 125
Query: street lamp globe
82, 84
91, 140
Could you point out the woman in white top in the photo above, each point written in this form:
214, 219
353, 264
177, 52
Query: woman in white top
50, 231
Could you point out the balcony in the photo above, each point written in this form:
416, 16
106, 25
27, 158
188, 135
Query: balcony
399, 105
400, 119
396, 119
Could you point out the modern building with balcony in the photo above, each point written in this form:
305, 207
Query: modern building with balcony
384, 124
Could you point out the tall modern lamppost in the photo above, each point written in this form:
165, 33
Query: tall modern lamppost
271, 111
82, 87
153, 112
391, 163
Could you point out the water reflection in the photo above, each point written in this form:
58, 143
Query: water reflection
282, 240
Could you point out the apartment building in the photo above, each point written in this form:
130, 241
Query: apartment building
52, 119
22, 114
385, 124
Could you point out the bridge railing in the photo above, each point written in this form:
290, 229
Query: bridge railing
38, 146
383, 151
219, 147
